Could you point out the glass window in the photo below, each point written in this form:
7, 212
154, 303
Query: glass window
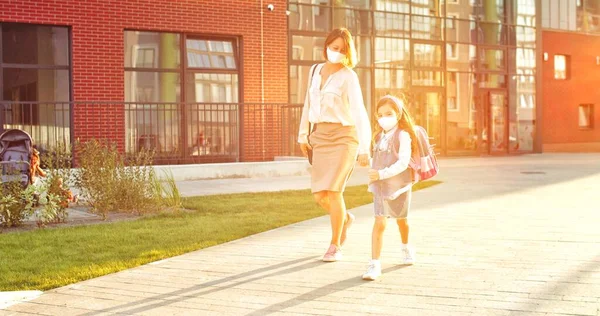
586, 116
391, 52
391, 79
392, 24
460, 56
35, 44
493, 60
452, 91
357, 4
425, 27
398, 6
427, 55
357, 22
211, 88
298, 83
560, 67
309, 18
308, 47
152, 86
522, 114
210, 54
492, 81
35, 75
146, 50
427, 78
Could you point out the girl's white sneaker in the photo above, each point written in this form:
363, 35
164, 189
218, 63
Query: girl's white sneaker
408, 256
373, 271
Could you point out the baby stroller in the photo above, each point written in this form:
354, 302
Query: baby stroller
15, 156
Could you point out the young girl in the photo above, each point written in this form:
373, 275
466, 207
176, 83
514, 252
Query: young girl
391, 178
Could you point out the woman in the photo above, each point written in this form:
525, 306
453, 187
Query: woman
335, 126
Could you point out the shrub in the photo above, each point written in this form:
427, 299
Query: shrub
16, 203
109, 183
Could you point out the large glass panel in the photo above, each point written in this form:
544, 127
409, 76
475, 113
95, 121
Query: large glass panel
398, 6
35, 44
392, 24
460, 30
460, 56
358, 4
588, 16
152, 86
498, 122
427, 7
525, 36
427, 55
364, 78
487, 80
309, 18
308, 48
425, 27
426, 78
392, 52
211, 88
31, 85
522, 114
523, 62
356, 21
426, 110
152, 126
493, 33
363, 49
483, 10
212, 129
210, 54
390, 81
461, 117
298, 83
493, 60
152, 50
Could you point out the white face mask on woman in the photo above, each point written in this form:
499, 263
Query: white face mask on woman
387, 122
334, 57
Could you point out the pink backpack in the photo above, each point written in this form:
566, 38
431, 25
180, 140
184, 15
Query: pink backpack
424, 161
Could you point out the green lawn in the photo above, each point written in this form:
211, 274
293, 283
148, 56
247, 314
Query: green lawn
46, 259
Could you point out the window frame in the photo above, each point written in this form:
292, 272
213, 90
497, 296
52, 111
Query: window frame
567, 63
590, 116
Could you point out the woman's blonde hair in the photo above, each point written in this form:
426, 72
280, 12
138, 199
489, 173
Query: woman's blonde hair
405, 121
350, 60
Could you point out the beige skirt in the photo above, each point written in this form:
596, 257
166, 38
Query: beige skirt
335, 148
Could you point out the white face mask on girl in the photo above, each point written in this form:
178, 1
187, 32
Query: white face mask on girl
387, 122
334, 57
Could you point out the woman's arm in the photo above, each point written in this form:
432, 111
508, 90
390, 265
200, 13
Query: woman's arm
359, 114
404, 155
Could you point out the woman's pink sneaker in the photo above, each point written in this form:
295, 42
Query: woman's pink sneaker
333, 254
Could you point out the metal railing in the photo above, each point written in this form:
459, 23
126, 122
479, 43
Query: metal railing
179, 133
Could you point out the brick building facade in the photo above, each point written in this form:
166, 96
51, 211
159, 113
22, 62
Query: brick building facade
96, 30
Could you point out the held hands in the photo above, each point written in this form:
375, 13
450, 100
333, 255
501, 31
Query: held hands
363, 160
373, 175
305, 147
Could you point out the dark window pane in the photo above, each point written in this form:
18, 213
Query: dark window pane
217, 88
212, 129
152, 126
492, 81
152, 86
147, 50
35, 44
35, 85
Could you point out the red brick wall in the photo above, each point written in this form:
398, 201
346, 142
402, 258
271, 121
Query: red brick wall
561, 98
98, 52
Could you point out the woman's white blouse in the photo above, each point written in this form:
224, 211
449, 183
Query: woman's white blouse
339, 101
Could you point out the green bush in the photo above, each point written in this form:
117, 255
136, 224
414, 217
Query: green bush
109, 182
16, 203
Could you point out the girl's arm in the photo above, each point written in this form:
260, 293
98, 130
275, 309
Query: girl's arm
304, 122
359, 114
404, 155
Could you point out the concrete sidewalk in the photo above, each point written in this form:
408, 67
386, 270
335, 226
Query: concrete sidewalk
500, 236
